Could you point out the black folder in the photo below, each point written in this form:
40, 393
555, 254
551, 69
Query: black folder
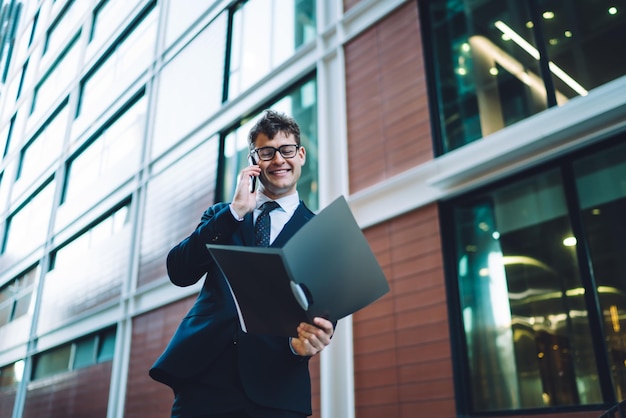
326, 269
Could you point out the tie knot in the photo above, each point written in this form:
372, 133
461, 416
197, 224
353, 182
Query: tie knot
267, 207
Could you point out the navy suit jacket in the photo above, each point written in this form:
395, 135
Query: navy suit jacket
271, 374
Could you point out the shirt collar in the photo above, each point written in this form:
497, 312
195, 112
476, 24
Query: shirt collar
288, 203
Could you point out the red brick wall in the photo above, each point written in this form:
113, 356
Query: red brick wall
401, 343
151, 333
78, 394
387, 106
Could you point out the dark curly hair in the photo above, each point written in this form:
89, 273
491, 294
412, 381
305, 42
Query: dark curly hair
271, 123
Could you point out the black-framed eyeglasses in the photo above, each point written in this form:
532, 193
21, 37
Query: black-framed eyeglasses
267, 153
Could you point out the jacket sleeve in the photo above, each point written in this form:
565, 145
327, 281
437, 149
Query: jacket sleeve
188, 261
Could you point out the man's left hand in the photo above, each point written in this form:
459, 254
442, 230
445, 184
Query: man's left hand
312, 338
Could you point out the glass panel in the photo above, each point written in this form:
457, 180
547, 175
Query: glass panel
44, 148
601, 183
56, 80
111, 158
64, 24
108, 80
486, 59
87, 272
180, 15
106, 346
11, 375
52, 362
107, 17
85, 353
485, 79
258, 49
190, 87
582, 38
524, 314
300, 103
30, 221
192, 179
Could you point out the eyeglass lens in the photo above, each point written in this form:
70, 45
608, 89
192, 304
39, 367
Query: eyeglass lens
267, 153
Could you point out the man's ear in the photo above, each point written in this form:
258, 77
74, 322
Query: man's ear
302, 152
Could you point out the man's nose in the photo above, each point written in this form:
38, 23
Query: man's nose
278, 157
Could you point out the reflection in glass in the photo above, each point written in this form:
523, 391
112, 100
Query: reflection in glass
265, 33
601, 184
191, 86
488, 58
44, 148
59, 76
112, 154
86, 272
31, 221
524, 316
300, 103
131, 57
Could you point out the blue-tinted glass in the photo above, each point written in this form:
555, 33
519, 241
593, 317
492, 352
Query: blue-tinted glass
523, 308
601, 185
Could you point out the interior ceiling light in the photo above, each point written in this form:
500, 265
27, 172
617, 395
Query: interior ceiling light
533, 52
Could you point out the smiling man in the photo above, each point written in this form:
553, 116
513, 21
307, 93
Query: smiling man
214, 368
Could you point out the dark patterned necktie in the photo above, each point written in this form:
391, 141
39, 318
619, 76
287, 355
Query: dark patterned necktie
262, 226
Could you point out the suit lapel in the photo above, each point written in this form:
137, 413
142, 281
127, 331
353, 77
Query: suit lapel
245, 234
299, 218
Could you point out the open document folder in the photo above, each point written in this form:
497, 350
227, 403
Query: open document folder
326, 269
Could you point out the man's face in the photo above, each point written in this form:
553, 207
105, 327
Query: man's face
280, 175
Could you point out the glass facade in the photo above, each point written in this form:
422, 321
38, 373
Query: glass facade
497, 62
103, 120
535, 259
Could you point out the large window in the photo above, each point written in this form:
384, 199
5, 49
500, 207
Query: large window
300, 103
65, 22
86, 272
540, 328
109, 158
30, 220
190, 86
257, 48
130, 57
87, 351
57, 79
495, 62
15, 296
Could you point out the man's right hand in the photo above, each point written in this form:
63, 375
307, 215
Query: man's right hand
244, 201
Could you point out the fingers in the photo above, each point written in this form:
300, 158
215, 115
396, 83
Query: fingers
313, 338
244, 201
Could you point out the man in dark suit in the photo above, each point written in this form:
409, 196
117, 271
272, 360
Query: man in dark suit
216, 369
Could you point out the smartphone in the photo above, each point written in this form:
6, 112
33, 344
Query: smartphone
253, 179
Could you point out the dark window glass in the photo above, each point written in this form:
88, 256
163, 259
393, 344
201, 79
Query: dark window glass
300, 103
106, 346
601, 185
84, 352
495, 63
52, 362
11, 375
523, 277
